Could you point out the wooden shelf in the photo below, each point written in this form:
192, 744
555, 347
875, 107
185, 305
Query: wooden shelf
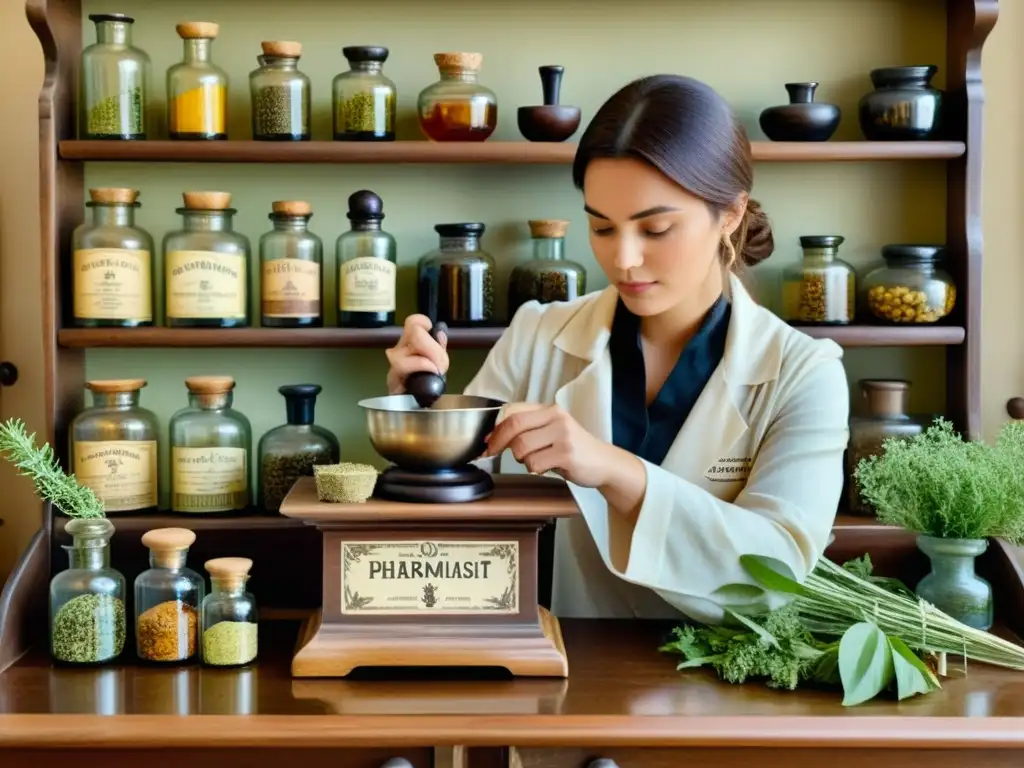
506, 152
250, 521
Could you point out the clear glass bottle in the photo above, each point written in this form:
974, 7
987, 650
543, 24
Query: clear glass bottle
197, 89
289, 451
112, 264
456, 281
114, 447
821, 288
457, 107
113, 82
367, 264
291, 259
229, 619
206, 266
549, 276
210, 450
280, 94
364, 99
168, 596
87, 618
952, 585
912, 287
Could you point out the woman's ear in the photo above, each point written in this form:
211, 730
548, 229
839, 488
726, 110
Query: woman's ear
732, 218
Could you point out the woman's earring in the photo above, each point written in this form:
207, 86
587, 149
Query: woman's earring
730, 250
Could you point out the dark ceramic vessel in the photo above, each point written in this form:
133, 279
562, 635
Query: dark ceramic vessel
553, 121
803, 119
903, 106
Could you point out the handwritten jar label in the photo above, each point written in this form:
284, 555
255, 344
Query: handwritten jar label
367, 284
291, 288
209, 479
122, 473
113, 284
205, 285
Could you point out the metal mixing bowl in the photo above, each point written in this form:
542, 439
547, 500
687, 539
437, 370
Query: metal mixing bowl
448, 434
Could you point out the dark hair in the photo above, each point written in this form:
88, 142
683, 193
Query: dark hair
687, 131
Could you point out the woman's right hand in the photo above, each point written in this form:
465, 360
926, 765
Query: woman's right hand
416, 351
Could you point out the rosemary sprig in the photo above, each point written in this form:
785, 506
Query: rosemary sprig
41, 465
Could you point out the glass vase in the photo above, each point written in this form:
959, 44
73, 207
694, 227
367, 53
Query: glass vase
952, 586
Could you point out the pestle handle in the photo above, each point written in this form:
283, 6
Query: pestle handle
427, 387
551, 81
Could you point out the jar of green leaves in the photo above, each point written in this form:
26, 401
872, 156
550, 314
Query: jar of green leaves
280, 94
364, 99
113, 82
229, 618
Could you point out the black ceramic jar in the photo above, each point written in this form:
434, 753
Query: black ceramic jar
802, 119
903, 106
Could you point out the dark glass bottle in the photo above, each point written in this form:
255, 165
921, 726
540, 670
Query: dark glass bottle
291, 288
456, 281
367, 266
549, 276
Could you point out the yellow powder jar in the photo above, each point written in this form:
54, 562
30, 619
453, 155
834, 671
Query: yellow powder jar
197, 89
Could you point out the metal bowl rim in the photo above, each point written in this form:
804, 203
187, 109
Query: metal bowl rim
369, 404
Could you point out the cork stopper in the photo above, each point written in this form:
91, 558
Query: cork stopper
282, 48
198, 30
209, 385
207, 201
115, 385
292, 207
885, 397
168, 545
111, 195
465, 62
548, 227
231, 571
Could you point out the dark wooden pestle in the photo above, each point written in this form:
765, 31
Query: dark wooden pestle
427, 387
551, 121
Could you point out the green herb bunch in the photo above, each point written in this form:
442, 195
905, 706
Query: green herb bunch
939, 484
40, 464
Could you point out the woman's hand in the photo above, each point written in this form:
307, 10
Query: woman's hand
416, 351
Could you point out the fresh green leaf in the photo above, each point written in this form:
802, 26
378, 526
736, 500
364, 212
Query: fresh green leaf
754, 627
912, 675
865, 663
771, 573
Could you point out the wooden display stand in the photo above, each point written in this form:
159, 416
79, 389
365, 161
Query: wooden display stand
432, 585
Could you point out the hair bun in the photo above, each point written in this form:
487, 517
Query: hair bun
758, 243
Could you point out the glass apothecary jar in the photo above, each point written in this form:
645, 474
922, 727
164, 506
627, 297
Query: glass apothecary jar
821, 288
229, 619
456, 281
206, 266
210, 450
364, 99
883, 415
114, 447
112, 264
912, 287
291, 260
549, 276
168, 596
289, 451
280, 94
197, 89
367, 264
113, 82
457, 107
87, 617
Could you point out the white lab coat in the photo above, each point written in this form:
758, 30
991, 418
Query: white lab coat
756, 468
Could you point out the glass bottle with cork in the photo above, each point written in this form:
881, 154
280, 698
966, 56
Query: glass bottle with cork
114, 447
456, 281
168, 596
367, 266
87, 616
229, 619
457, 107
206, 266
112, 264
280, 94
291, 257
210, 450
549, 276
821, 288
197, 89
364, 99
289, 451
113, 82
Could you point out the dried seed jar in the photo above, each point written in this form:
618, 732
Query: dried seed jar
197, 89
821, 288
112, 264
364, 99
291, 259
367, 266
457, 107
113, 82
911, 287
114, 447
280, 94
229, 619
549, 276
210, 447
456, 281
167, 598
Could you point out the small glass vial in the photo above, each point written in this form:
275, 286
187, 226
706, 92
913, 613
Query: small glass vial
113, 82
549, 276
210, 450
911, 287
456, 281
197, 89
206, 266
291, 257
367, 266
229, 622
167, 599
87, 618
114, 447
112, 264
364, 99
457, 107
280, 94
821, 289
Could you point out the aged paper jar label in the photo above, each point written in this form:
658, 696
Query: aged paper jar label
367, 284
122, 473
209, 479
205, 284
113, 284
418, 577
291, 288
